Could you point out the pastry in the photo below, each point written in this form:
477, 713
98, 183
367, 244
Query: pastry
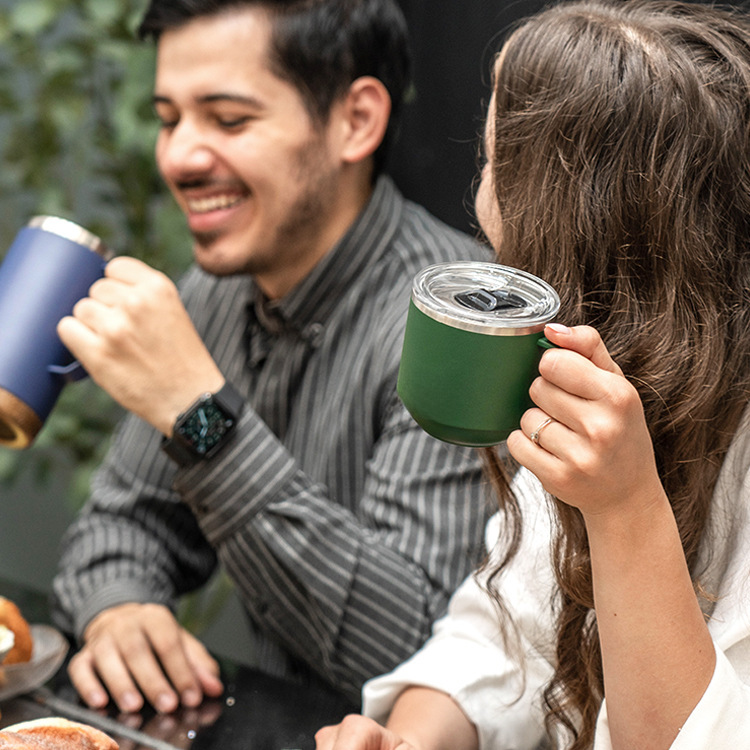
23, 645
54, 734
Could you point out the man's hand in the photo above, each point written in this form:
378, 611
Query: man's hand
136, 650
134, 337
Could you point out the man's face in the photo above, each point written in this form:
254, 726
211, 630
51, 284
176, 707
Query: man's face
258, 182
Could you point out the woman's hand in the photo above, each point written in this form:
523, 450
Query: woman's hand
358, 733
430, 719
595, 452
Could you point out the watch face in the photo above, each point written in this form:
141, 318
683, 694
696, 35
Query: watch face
205, 426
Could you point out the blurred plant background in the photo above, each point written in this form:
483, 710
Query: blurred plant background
76, 140
77, 133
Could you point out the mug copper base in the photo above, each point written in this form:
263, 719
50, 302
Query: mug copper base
19, 424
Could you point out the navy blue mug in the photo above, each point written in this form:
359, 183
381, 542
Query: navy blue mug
51, 265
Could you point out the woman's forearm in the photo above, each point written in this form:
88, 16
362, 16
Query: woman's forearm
657, 654
431, 720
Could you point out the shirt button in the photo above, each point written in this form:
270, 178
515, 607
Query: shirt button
314, 334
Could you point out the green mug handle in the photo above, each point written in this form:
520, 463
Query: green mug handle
545, 343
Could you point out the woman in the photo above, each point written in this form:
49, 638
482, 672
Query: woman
618, 144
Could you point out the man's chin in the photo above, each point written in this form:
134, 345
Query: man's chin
212, 260
204, 241
208, 256
215, 267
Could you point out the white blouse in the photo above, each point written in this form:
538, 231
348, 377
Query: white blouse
501, 692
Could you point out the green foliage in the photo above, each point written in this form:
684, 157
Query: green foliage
76, 140
201, 608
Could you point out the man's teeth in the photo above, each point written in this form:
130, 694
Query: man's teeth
203, 205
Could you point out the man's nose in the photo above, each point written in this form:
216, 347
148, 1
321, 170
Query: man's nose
184, 150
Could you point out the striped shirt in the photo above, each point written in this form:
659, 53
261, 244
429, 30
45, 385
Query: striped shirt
343, 526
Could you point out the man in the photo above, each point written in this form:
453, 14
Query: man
343, 526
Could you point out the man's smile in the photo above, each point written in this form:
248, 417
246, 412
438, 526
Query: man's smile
213, 203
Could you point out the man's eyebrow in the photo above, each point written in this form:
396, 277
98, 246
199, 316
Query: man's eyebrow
249, 101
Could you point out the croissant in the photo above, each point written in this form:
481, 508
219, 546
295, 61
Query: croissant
54, 734
23, 645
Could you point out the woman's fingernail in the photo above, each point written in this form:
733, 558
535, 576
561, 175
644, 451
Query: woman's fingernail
558, 327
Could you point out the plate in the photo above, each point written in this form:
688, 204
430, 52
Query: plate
50, 648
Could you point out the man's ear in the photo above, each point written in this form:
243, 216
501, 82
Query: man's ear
366, 110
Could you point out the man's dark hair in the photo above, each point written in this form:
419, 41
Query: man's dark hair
319, 46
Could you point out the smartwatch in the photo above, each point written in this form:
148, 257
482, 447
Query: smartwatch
204, 428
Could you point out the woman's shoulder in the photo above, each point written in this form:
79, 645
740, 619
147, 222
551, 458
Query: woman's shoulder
736, 466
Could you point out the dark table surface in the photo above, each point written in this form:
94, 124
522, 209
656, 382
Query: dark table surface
256, 712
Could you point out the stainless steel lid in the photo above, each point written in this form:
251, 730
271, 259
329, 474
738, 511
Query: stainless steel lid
485, 298
71, 231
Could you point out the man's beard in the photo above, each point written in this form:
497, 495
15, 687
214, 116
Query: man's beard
305, 219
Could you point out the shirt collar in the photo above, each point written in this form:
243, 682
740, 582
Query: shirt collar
313, 300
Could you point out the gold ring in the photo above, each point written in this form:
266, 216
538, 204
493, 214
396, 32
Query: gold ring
534, 437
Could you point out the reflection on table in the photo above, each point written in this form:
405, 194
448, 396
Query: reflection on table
256, 712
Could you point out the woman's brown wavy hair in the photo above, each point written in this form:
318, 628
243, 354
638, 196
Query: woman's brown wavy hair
621, 168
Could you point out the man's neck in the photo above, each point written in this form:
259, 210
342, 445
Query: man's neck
354, 194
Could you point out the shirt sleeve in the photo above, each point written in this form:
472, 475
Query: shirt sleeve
719, 720
353, 591
496, 679
721, 717
134, 541
466, 659
348, 584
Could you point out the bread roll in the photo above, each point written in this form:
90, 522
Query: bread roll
7, 641
11, 617
54, 734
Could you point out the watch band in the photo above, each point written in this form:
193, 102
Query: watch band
230, 399
224, 407
179, 452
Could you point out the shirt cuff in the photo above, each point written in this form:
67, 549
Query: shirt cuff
226, 490
112, 595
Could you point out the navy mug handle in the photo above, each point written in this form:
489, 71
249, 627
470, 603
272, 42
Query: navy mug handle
48, 268
71, 373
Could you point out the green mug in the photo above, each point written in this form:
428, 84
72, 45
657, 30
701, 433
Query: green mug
471, 349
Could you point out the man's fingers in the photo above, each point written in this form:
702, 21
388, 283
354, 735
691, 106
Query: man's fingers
127, 269
149, 675
168, 645
76, 335
142, 649
107, 666
85, 681
204, 666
